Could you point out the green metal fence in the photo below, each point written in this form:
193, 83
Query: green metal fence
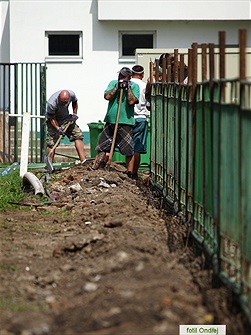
201, 162
22, 89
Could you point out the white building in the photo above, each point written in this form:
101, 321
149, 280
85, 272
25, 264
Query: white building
84, 43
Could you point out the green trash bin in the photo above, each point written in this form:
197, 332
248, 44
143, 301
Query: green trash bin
95, 129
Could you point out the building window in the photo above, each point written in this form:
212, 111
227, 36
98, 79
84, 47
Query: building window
130, 41
64, 45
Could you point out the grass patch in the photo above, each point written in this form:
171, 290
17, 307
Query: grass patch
18, 304
10, 190
11, 193
7, 267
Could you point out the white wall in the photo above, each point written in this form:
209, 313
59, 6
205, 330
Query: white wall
174, 10
29, 20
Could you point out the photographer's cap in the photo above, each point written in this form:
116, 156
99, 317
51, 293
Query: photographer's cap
125, 71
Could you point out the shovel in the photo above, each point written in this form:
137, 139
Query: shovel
48, 158
115, 130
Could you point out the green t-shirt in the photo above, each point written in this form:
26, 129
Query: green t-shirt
126, 110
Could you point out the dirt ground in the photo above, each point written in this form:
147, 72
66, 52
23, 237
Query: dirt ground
103, 259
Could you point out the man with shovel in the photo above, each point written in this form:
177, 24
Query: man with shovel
122, 94
60, 123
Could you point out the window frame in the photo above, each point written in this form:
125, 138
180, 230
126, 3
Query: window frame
135, 32
62, 58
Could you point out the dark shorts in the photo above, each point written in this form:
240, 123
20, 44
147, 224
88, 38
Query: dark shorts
140, 132
73, 133
124, 139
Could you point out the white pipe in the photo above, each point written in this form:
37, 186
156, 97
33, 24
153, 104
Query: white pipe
30, 179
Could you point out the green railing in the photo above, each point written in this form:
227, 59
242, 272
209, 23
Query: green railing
22, 89
201, 163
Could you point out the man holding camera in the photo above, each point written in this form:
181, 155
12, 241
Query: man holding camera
124, 137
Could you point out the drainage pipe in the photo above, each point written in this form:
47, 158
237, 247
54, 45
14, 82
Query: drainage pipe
29, 179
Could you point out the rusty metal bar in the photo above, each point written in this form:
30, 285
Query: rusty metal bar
204, 61
169, 69
175, 69
164, 66
151, 72
222, 43
190, 65
194, 66
182, 67
156, 69
242, 46
211, 64
222, 70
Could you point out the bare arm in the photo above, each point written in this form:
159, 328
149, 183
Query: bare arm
75, 107
110, 95
148, 91
53, 122
131, 99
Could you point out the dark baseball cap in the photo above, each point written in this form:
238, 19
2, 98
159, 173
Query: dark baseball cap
125, 71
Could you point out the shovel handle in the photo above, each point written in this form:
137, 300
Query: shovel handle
60, 136
115, 128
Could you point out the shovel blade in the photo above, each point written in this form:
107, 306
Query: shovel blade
49, 164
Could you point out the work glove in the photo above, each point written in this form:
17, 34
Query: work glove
60, 131
122, 84
74, 117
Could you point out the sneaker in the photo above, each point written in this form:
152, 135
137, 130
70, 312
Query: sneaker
78, 162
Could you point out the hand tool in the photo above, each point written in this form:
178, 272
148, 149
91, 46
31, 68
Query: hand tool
48, 161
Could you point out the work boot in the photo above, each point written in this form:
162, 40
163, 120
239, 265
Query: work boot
129, 174
135, 176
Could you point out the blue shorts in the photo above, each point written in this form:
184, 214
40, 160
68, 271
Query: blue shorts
140, 132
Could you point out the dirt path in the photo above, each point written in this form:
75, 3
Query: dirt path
97, 261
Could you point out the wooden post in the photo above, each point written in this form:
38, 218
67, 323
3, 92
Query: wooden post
4, 124
1, 138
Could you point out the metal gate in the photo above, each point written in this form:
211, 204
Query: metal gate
22, 90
